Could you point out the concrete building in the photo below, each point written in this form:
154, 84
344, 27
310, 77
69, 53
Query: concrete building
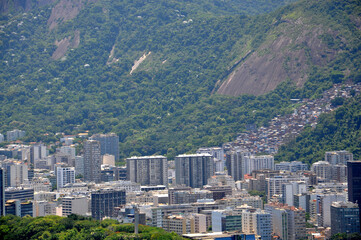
2, 138
16, 172
257, 222
324, 202
109, 144
159, 212
254, 163
226, 220
234, 201
37, 152
200, 223
221, 179
14, 135
194, 170
79, 165
18, 208
274, 184
290, 189
339, 173
180, 224
235, 163
69, 150
181, 197
354, 181
22, 194
302, 200
338, 157
92, 161
109, 159
288, 222
104, 201
345, 218
44, 208
322, 169
2, 192
74, 205
149, 170
293, 166
64, 175
218, 157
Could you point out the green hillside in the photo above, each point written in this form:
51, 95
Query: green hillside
71, 73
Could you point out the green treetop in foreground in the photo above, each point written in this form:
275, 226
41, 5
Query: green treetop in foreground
75, 227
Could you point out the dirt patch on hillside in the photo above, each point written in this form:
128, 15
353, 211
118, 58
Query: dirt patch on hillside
287, 57
64, 44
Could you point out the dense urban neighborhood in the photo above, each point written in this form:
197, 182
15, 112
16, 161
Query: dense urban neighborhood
231, 190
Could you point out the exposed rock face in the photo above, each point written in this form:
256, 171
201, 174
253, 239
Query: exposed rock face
288, 56
64, 44
64, 10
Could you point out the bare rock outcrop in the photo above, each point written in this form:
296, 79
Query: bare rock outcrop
64, 44
287, 56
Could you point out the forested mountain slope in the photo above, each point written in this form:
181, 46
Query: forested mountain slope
76, 70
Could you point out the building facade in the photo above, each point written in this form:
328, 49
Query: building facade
92, 161
109, 144
354, 181
2, 192
345, 218
64, 175
150, 170
74, 205
293, 166
194, 170
14, 135
338, 157
235, 163
103, 202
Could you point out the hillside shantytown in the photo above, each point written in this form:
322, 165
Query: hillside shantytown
231, 190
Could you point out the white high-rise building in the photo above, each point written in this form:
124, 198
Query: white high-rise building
2, 138
64, 175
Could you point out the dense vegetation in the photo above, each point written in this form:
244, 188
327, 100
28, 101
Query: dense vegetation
75, 227
166, 105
